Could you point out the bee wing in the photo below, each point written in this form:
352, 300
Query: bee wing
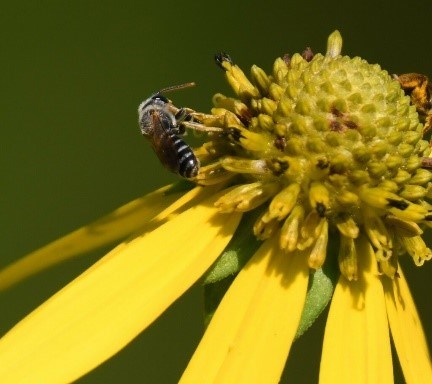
162, 139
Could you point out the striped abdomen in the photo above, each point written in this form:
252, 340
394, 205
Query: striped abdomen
159, 128
188, 164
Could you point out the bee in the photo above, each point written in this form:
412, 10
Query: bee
162, 123
419, 88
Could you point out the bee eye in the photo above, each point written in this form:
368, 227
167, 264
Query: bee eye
161, 98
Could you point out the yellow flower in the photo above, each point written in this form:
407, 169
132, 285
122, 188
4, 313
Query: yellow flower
326, 151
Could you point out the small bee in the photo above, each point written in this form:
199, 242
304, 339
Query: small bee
161, 122
419, 88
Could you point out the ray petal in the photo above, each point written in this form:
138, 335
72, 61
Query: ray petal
250, 335
129, 218
102, 310
356, 347
407, 331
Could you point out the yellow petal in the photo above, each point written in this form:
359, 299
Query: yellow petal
407, 331
102, 310
250, 335
356, 346
114, 226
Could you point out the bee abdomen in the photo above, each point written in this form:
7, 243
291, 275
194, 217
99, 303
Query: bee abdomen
188, 164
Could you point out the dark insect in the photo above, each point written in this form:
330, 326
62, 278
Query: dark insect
221, 58
419, 88
161, 122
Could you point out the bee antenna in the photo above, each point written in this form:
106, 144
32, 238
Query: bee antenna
176, 87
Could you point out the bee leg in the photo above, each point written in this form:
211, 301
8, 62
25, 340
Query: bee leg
184, 114
201, 127
180, 129
185, 119
428, 123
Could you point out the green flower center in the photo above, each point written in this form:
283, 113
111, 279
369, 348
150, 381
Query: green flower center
328, 143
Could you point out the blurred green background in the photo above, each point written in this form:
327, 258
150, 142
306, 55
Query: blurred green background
72, 76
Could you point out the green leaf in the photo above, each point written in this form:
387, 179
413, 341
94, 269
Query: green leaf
239, 250
322, 283
213, 294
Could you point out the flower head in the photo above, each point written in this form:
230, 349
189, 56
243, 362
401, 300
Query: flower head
326, 150
328, 143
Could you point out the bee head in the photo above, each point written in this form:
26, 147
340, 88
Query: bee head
158, 104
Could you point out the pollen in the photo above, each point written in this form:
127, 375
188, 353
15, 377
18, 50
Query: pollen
324, 143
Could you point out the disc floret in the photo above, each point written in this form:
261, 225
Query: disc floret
328, 143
